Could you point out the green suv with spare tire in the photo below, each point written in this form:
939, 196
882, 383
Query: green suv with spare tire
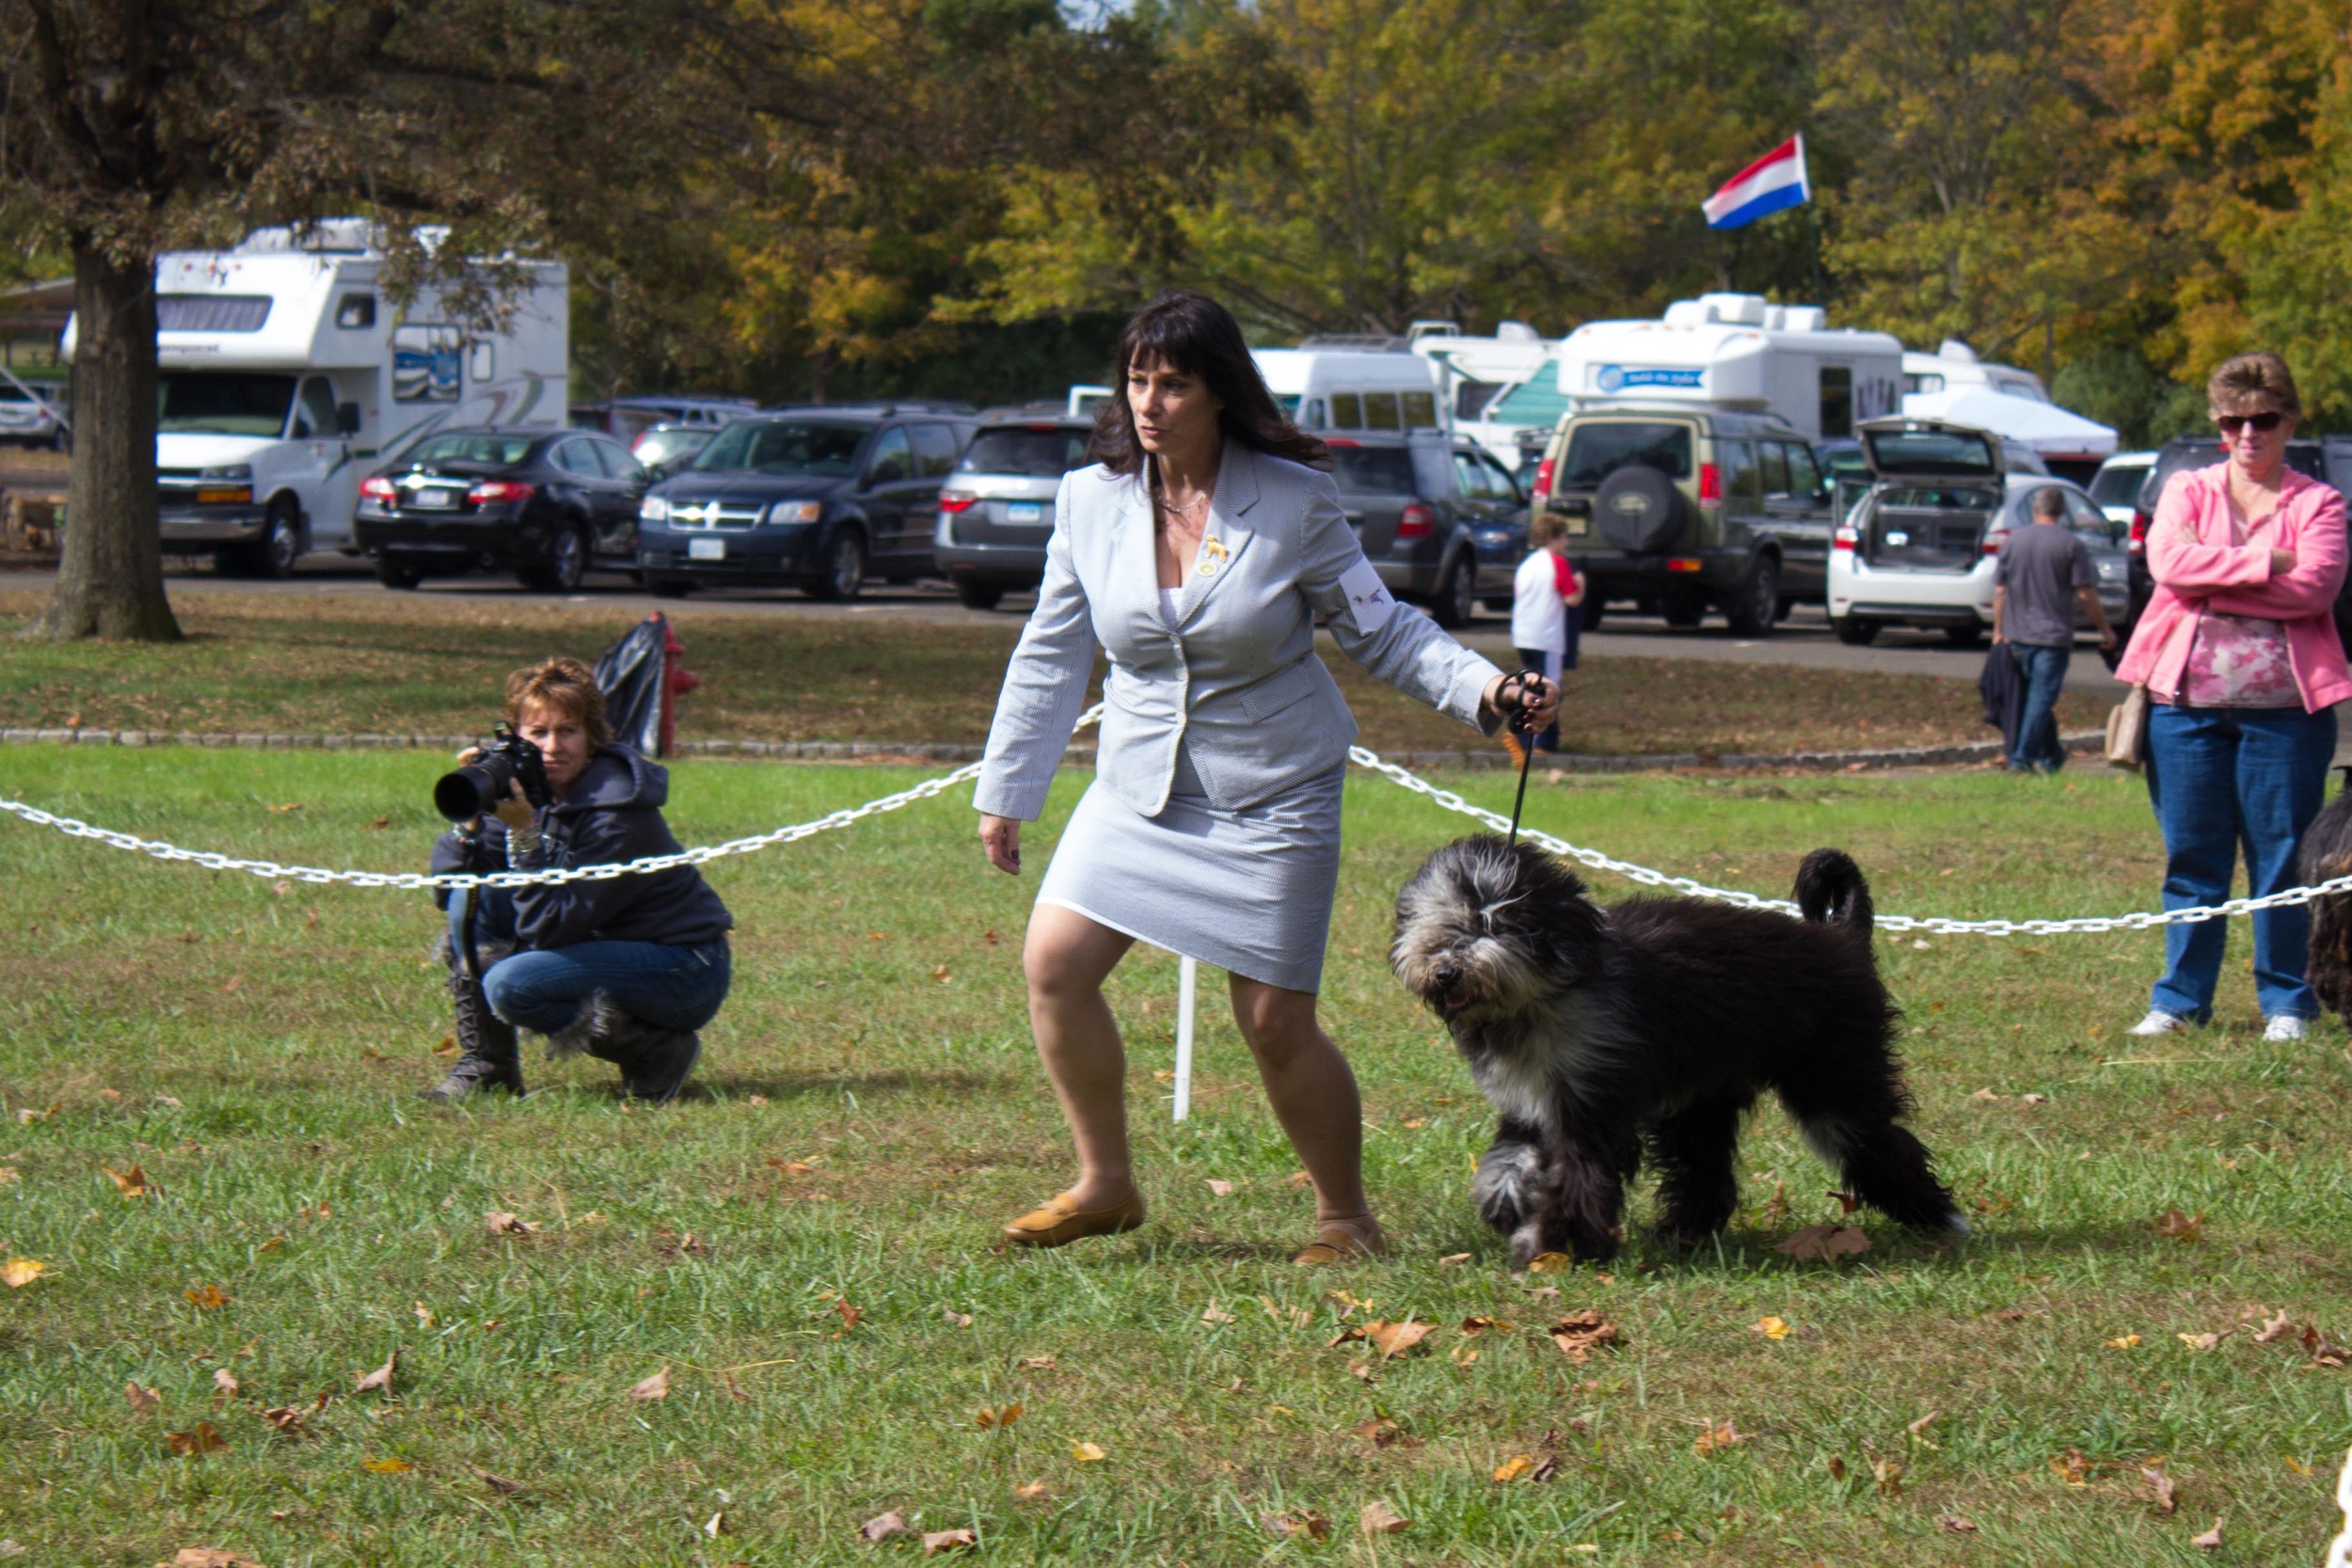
1681, 510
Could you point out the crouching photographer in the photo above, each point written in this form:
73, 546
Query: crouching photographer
627, 970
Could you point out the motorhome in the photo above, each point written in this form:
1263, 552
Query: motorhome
1742, 353
288, 369
1954, 367
1334, 391
1504, 391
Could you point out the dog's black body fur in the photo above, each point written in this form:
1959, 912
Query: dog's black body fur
2323, 854
1656, 1022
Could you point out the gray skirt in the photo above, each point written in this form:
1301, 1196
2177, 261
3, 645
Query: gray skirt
1249, 891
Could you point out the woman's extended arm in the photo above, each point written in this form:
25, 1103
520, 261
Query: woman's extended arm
2310, 586
1045, 685
2177, 560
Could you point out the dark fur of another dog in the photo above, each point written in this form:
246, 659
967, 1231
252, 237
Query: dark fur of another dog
2323, 854
1657, 1023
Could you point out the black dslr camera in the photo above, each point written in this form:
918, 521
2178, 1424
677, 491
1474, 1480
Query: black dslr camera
476, 789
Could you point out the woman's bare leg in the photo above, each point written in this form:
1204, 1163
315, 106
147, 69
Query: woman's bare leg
1314, 1095
1067, 957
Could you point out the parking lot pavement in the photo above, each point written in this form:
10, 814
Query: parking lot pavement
1804, 640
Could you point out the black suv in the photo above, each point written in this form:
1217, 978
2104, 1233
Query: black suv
1440, 521
814, 499
2325, 458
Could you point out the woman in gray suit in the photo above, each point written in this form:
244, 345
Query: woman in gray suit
1197, 553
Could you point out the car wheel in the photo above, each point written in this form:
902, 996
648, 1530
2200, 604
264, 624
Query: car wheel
977, 595
845, 569
1456, 604
1683, 611
565, 561
1752, 609
392, 572
1963, 637
273, 554
1855, 633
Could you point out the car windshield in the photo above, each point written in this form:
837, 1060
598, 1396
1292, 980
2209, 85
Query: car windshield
1598, 450
783, 447
2118, 486
1381, 470
1931, 451
220, 403
11, 392
668, 446
503, 450
1046, 454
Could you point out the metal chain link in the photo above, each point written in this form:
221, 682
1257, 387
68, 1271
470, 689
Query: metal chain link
932, 787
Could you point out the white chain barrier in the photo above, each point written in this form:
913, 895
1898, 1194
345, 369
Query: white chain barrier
932, 787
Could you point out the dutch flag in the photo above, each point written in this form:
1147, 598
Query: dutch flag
1774, 181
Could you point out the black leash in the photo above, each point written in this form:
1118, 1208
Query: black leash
1525, 727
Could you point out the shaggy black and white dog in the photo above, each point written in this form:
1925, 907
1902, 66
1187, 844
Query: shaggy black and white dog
1657, 1021
2324, 854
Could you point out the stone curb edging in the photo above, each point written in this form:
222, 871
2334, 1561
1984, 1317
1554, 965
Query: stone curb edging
1960, 754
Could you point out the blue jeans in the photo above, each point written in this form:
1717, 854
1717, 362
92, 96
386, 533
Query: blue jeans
542, 988
2218, 778
2044, 669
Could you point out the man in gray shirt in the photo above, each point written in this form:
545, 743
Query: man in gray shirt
2043, 572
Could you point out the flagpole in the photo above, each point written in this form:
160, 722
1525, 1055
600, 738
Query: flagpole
1812, 231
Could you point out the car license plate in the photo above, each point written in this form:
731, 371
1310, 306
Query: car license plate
433, 499
1025, 512
705, 549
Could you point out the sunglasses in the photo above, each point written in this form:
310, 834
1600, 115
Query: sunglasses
2264, 424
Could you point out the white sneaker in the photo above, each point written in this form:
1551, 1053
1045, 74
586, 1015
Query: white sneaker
2286, 1027
2158, 1022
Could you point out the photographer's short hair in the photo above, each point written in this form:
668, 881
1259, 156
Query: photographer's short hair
565, 685
1541, 530
2049, 502
2255, 383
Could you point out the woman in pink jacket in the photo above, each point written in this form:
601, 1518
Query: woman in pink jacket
2244, 669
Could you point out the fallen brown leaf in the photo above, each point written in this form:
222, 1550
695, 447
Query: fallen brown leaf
380, 1380
1717, 1437
1825, 1242
1581, 1333
132, 1184
2121, 1342
287, 1420
198, 1441
714, 1525
654, 1387
882, 1526
1004, 1415
1032, 1492
1772, 1327
943, 974
2203, 1341
2322, 1352
2178, 1227
1088, 1453
208, 1557
224, 1387
1888, 1474
849, 1315
1453, 1257
1836, 1468
948, 1541
1515, 1467
1036, 1362
793, 1167
1381, 1430
961, 1320
17, 1273
2072, 1466
1216, 1314
1306, 1522
504, 1224
1479, 1325
1220, 1188
1550, 1262
2275, 1328
1956, 1524
142, 1400
2168, 1496
393, 1466
1378, 1518
1919, 1428
1394, 1340
208, 1297
2211, 1540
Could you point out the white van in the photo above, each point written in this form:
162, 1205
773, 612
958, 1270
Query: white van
287, 373
1340, 392
1740, 353
1502, 389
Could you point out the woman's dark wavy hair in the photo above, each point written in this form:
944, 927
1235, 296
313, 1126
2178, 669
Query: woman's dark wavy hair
1187, 331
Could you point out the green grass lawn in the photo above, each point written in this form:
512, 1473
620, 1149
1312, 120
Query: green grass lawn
804, 1245
431, 664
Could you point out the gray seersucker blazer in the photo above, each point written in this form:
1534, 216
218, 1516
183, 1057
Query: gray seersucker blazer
1237, 683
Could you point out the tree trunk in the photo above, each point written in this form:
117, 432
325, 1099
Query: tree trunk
110, 575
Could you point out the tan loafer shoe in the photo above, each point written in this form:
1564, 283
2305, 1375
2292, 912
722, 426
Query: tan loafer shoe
1342, 1244
1060, 1222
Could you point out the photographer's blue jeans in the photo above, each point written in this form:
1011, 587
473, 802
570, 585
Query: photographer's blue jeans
674, 987
2218, 778
2044, 669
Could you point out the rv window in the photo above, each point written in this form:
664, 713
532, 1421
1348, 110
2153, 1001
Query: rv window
213, 403
1315, 419
211, 312
1836, 400
424, 364
1347, 411
1921, 384
782, 447
1773, 459
1373, 470
481, 363
1738, 465
1380, 411
1598, 450
1421, 410
314, 412
1470, 397
356, 310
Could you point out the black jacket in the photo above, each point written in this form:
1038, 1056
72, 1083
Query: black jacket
2002, 685
613, 815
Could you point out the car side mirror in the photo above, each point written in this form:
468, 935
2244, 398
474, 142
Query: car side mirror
346, 419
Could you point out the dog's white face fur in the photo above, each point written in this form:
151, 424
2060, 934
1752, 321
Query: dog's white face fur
1449, 950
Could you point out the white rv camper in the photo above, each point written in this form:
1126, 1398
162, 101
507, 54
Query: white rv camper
1343, 391
1955, 368
1502, 389
1738, 352
286, 371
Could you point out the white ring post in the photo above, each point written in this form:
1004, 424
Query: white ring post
1187, 981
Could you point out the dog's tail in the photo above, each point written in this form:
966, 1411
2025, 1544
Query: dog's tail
1830, 888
